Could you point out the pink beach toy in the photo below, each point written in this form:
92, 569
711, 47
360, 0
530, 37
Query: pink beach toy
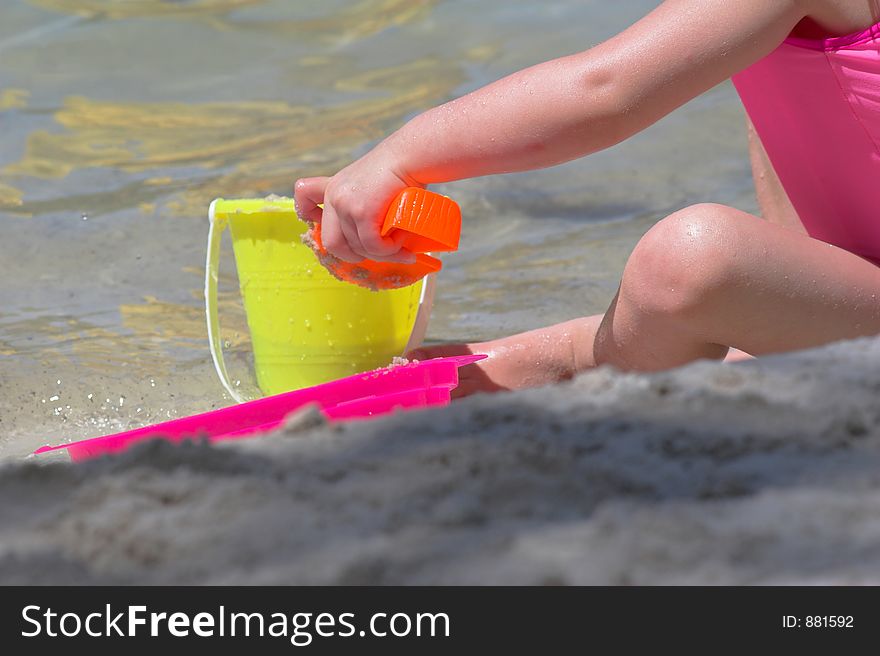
413, 385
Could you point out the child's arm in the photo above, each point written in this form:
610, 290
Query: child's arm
552, 112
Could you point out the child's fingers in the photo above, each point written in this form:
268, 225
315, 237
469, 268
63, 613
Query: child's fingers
403, 256
348, 227
341, 234
333, 238
384, 249
308, 193
349, 231
376, 246
352, 236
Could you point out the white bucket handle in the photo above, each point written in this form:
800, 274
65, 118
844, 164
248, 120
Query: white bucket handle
212, 274
426, 302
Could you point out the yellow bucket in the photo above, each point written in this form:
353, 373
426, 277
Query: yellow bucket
306, 326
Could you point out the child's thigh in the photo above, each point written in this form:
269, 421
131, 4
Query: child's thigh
775, 289
772, 198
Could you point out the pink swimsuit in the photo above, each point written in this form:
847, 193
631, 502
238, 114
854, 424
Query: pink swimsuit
816, 106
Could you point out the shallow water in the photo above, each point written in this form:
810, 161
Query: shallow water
121, 120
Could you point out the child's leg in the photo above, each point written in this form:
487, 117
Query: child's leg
772, 199
710, 276
704, 279
530, 359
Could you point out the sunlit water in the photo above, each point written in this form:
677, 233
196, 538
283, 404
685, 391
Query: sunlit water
121, 119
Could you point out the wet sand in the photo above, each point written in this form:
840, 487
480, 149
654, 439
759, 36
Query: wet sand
756, 473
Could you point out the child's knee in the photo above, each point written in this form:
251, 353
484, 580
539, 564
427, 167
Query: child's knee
682, 261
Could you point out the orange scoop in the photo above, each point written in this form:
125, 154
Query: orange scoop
429, 221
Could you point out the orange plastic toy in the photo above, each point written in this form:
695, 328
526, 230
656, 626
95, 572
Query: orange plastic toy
430, 221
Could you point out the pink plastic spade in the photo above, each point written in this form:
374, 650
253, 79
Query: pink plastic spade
414, 385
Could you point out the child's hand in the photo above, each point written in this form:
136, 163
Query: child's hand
355, 201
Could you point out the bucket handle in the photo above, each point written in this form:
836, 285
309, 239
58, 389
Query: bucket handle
212, 274
423, 314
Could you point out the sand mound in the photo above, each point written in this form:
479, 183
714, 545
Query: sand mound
764, 472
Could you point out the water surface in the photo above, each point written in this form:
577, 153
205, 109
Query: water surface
121, 120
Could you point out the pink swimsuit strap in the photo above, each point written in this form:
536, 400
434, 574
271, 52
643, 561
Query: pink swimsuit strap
815, 103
